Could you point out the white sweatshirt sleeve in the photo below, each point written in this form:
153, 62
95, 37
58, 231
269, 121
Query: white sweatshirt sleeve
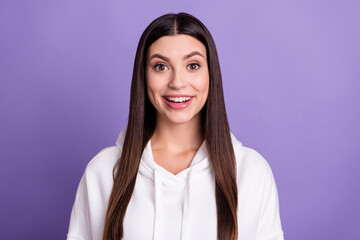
79, 228
92, 196
269, 227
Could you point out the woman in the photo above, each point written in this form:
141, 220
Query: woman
176, 171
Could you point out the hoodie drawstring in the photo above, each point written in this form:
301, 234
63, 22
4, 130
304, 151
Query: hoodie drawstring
186, 210
158, 204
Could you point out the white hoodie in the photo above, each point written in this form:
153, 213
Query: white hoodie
165, 206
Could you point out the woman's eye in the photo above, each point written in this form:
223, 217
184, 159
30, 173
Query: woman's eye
193, 66
161, 67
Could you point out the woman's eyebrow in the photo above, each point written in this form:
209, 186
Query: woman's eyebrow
156, 55
194, 53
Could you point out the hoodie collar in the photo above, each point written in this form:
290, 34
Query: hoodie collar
200, 163
161, 177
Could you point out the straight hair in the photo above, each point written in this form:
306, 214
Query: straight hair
141, 126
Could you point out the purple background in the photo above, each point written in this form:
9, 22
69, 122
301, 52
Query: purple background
291, 81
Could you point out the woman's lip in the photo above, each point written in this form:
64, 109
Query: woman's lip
177, 95
177, 105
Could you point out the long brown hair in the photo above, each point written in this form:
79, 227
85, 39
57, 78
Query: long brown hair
141, 126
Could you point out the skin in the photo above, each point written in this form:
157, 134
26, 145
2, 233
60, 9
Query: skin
177, 65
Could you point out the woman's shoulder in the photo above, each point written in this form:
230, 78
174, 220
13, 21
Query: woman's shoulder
257, 195
248, 159
104, 161
92, 195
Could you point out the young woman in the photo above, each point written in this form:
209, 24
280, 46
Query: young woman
176, 171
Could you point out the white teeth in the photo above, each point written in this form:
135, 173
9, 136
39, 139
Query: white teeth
178, 99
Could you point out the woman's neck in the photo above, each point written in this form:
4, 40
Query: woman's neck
177, 137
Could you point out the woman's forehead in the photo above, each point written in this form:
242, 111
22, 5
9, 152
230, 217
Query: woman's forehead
176, 46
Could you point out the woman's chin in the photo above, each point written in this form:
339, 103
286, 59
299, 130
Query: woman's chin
181, 119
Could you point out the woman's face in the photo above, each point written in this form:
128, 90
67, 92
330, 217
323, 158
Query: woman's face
177, 78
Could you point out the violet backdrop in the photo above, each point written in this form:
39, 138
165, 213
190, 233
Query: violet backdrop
291, 80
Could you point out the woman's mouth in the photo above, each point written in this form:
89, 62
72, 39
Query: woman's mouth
178, 102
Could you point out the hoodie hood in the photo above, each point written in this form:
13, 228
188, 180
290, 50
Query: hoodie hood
120, 141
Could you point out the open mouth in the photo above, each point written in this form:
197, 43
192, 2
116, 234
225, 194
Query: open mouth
178, 100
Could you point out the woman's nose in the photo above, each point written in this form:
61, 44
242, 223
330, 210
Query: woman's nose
177, 80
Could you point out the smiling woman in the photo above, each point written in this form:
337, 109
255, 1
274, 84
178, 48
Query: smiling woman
177, 79
176, 171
